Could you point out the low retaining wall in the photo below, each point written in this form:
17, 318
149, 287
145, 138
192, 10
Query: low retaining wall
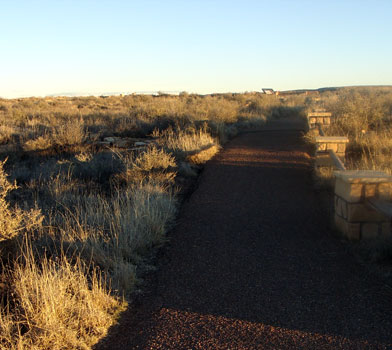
363, 198
353, 216
335, 143
321, 118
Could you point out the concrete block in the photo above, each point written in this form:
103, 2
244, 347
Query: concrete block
369, 230
352, 193
358, 212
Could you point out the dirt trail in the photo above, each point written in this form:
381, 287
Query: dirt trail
253, 264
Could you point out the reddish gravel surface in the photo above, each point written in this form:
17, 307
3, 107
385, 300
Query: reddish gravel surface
253, 264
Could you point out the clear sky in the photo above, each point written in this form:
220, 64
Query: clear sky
202, 46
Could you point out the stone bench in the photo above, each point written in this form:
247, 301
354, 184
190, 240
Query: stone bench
354, 190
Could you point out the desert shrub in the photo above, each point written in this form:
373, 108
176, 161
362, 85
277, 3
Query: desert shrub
357, 109
72, 132
14, 220
98, 167
40, 143
114, 232
57, 305
184, 142
152, 166
6, 133
285, 112
153, 158
364, 115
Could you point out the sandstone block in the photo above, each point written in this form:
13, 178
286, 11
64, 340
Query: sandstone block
350, 192
323, 160
358, 212
341, 148
338, 206
386, 229
369, 230
384, 191
321, 146
312, 120
351, 231
363, 176
320, 120
344, 208
332, 146
370, 190
327, 121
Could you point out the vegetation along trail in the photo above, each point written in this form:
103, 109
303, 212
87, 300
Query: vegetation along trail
253, 264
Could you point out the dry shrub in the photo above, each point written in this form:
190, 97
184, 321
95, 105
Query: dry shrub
40, 143
153, 166
14, 220
6, 133
115, 232
58, 305
133, 115
184, 142
203, 156
72, 132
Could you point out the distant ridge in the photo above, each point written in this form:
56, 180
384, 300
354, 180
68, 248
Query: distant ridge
114, 93
177, 92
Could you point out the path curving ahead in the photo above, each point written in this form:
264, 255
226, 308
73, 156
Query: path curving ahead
253, 264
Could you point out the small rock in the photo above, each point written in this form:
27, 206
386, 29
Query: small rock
121, 143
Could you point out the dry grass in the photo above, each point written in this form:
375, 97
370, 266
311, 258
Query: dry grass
153, 166
181, 143
204, 155
101, 212
365, 116
66, 120
58, 305
14, 220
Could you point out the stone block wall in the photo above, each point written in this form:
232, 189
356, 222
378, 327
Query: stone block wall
358, 214
353, 217
322, 118
335, 143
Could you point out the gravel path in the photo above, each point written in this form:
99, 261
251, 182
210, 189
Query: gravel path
252, 264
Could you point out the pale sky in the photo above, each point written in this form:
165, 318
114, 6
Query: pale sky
204, 46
